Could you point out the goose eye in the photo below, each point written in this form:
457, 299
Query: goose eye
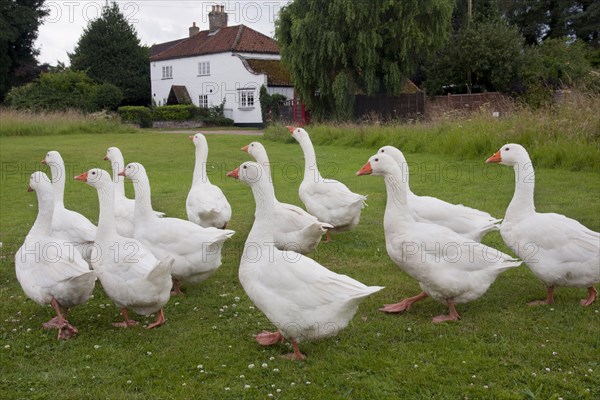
377, 160
506, 148
245, 167
93, 173
382, 150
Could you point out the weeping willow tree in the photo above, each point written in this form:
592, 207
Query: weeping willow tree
336, 49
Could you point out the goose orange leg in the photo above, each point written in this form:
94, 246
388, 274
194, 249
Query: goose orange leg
266, 338
160, 320
296, 355
127, 323
65, 329
53, 323
592, 294
404, 305
549, 298
452, 315
176, 289
327, 236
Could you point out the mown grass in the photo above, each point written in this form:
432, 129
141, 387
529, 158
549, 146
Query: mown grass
501, 349
565, 136
26, 123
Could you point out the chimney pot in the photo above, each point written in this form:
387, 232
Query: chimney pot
217, 18
194, 29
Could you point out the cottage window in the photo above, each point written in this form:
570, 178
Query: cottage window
167, 72
203, 101
246, 98
204, 68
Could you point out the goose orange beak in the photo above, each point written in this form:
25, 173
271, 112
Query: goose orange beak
291, 129
29, 188
83, 177
44, 161
122, 173
105, 158
191, 137
365, 170
496, 158
234, 174
245, 148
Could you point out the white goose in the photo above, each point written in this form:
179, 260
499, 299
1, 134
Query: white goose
303, 299
196, 250
124, 207
294, 228
327, 199
66, 224
49, 270
463, 220
130, 274
449, 267
206, 204
559, 250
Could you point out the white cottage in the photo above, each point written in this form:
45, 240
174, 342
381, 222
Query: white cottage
223, 64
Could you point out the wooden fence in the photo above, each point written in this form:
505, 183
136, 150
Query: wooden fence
404, 106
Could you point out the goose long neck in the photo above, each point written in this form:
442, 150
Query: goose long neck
58, 182
117, 166
263, 159
311, 170
522, 201
262, 230
43, 221
106, 221
200, 175
397, 189
143, 197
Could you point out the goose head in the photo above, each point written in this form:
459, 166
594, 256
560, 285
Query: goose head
393, 152
95, 177
39, 182
510, 154
298, 133
199, 140
53, 157
113, 154
255, 149
380, 164
249, 172
133, 170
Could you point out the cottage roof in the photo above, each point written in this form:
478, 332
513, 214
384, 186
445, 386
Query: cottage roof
238, 38
277, 73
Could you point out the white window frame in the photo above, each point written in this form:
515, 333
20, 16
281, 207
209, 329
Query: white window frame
247, 97
203, 101
204, 68
167, 72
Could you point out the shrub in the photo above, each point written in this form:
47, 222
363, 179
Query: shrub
107, 97
55, 91
137, 115
179, 112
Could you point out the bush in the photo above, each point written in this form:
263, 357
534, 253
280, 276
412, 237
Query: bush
136, 115
55, 91
65, 90
107, 97
180, 112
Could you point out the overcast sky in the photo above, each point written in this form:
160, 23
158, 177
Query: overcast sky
155, 21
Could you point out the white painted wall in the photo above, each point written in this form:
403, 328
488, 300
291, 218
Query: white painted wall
227, 75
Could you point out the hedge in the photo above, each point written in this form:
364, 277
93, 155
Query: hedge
136, 114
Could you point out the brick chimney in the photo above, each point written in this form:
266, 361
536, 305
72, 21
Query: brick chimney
217, 19
194, 29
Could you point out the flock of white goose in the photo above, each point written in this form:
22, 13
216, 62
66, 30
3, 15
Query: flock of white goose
141, 257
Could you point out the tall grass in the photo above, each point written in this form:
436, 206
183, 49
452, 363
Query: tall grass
565, 136
27, 123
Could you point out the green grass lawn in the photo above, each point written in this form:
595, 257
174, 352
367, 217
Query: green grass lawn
500, 349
